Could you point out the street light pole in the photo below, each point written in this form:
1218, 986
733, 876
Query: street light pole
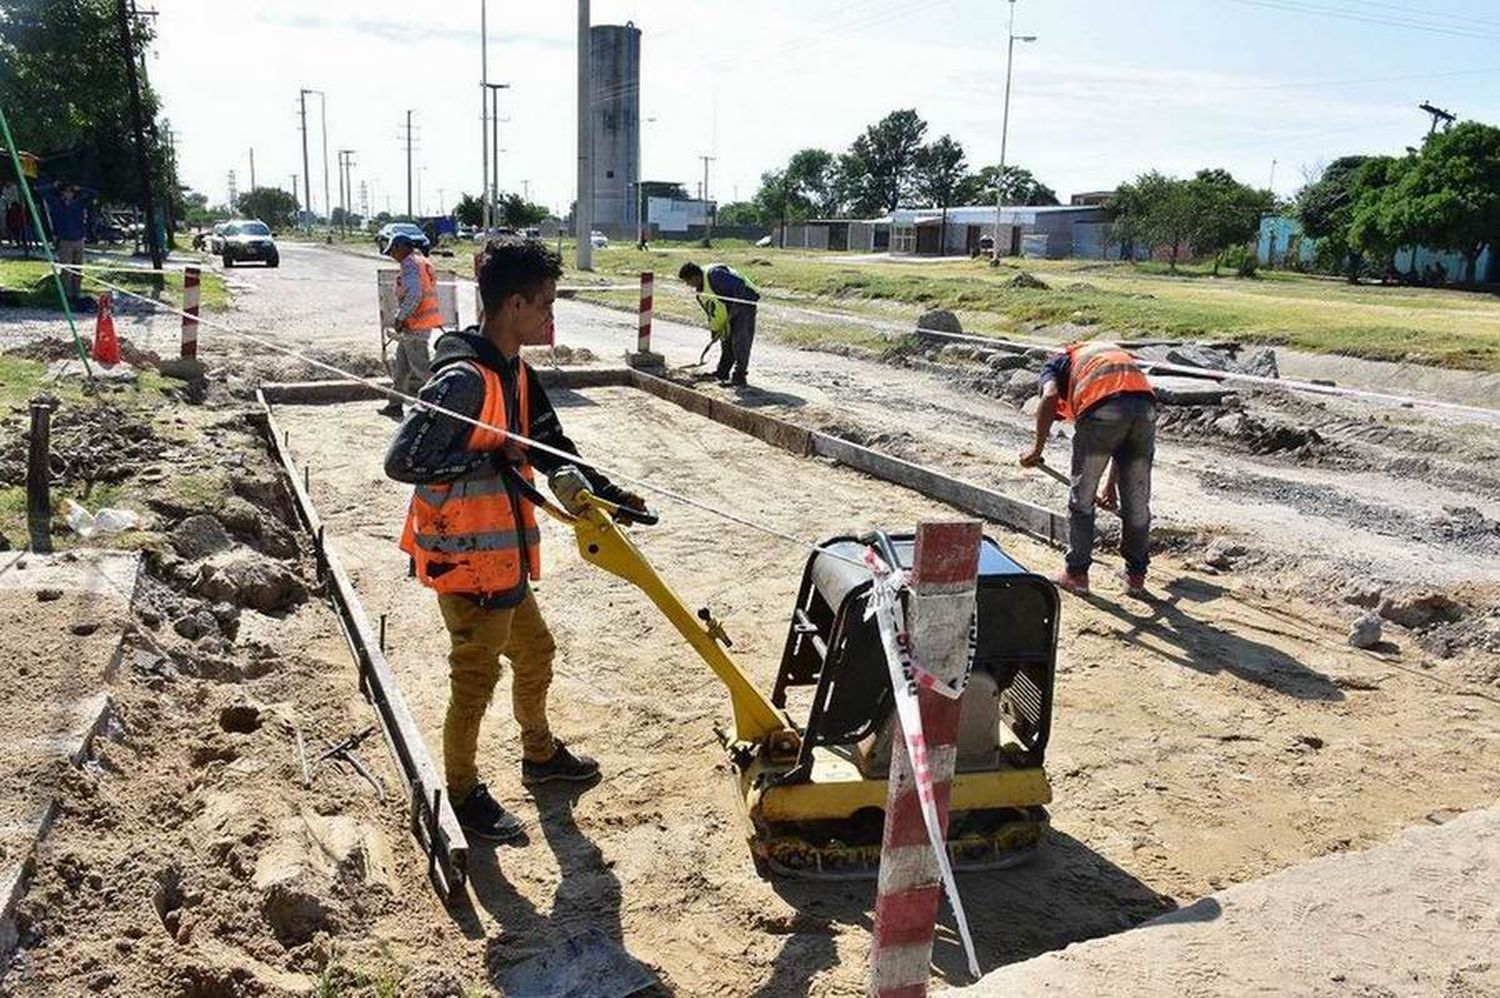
1010, 53
583, 210
491, 193
306, 172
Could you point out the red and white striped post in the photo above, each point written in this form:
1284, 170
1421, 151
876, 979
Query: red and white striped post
939, 615
190, 297
643, 338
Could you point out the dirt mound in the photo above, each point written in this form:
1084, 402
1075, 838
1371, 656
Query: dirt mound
249, 579
558, 355
1259, 434
1028, 280
91, 443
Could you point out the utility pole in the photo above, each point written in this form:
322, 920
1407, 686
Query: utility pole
252, 168
526, 191
346, 192
306, 173
364, 202
409, 215
1272, 185
442, 201
583, 211
328, 204
1438, 114
142, 162
1010, 54
234, 194
297, 213
492, 195
708, 215
484, 109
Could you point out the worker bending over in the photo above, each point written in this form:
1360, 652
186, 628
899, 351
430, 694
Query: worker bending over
471, 530
729, 301
417, 315
1102, 389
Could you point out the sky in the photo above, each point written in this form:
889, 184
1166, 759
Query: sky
1271, 90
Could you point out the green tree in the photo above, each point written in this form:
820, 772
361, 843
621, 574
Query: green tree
1156, 210
878, 171
272, 205
1325, 209
516, 211
1375, 228
64, 88
1019, 188
940, 170
1226, 213
813, 176
738, 213
1448, 197
469, 210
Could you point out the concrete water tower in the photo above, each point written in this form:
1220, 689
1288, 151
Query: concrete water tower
615, 126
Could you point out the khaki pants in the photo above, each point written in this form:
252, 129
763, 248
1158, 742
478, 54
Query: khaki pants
411, 363
70, 251
479, 637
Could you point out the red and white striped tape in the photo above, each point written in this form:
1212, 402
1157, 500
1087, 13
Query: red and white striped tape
191, 293
643, 339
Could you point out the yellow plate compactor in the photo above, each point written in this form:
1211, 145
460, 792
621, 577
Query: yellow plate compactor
814, 793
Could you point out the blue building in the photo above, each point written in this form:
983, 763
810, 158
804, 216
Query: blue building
1282, 243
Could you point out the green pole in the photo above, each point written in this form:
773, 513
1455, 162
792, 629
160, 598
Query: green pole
15, 159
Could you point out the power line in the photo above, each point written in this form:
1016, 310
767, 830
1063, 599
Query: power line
1305, 7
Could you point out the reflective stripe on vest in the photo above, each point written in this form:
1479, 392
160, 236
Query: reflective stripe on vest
474, 536
428, 314
715, 307
1097, 372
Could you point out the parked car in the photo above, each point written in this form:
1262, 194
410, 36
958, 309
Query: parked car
598, 239
248, 239
532, 232
390, 230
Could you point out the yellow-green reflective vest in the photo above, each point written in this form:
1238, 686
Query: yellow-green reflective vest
714, 307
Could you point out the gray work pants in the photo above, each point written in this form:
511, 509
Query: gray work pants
734, 347
70, 251
411, 365
1123, 428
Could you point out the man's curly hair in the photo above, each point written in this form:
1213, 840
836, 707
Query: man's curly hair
515, 267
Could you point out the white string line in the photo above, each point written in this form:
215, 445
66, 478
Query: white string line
504, 433
456, 279
1149, 365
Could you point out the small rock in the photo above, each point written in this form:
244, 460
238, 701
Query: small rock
1435, 644
940, 320
48, 595
85, 628
1230, 425
1031, 405
1200, 357
1003, 361
1366, 631
1261, 363
1222, 553
199, 537
196, 625
248, 578
1027, 280
1365, 594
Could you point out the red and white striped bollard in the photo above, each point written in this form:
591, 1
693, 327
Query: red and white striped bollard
940, 615
191, 293
643, 338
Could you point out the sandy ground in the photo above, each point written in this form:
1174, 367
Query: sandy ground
1208, 738
1419, 916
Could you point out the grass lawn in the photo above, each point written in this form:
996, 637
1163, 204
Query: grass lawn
32, 280
1447, 328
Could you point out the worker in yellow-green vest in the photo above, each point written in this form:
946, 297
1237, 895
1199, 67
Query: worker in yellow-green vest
729, 300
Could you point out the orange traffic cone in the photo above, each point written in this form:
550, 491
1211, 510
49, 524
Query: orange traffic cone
106, 346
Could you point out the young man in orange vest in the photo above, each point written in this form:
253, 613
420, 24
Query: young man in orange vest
1102, 389
417, 315
471, 530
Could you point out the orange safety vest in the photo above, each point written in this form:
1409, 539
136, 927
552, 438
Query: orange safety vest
428, 314
468, 536
1099, 370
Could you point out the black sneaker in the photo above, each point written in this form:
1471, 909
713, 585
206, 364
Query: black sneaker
391, 409
482, 817
563, 766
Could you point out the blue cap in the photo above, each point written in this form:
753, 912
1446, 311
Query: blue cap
401, 239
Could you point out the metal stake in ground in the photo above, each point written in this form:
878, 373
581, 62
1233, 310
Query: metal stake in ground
39, 475
939, 614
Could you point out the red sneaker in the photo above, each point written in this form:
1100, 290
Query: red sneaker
1076, 583
1135, 584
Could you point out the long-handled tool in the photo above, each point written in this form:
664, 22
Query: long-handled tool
1052, 472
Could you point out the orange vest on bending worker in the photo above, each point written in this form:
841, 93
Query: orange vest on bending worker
468, 536
428, 314
1098, 371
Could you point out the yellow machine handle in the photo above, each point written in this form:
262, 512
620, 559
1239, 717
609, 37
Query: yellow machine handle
601, 542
